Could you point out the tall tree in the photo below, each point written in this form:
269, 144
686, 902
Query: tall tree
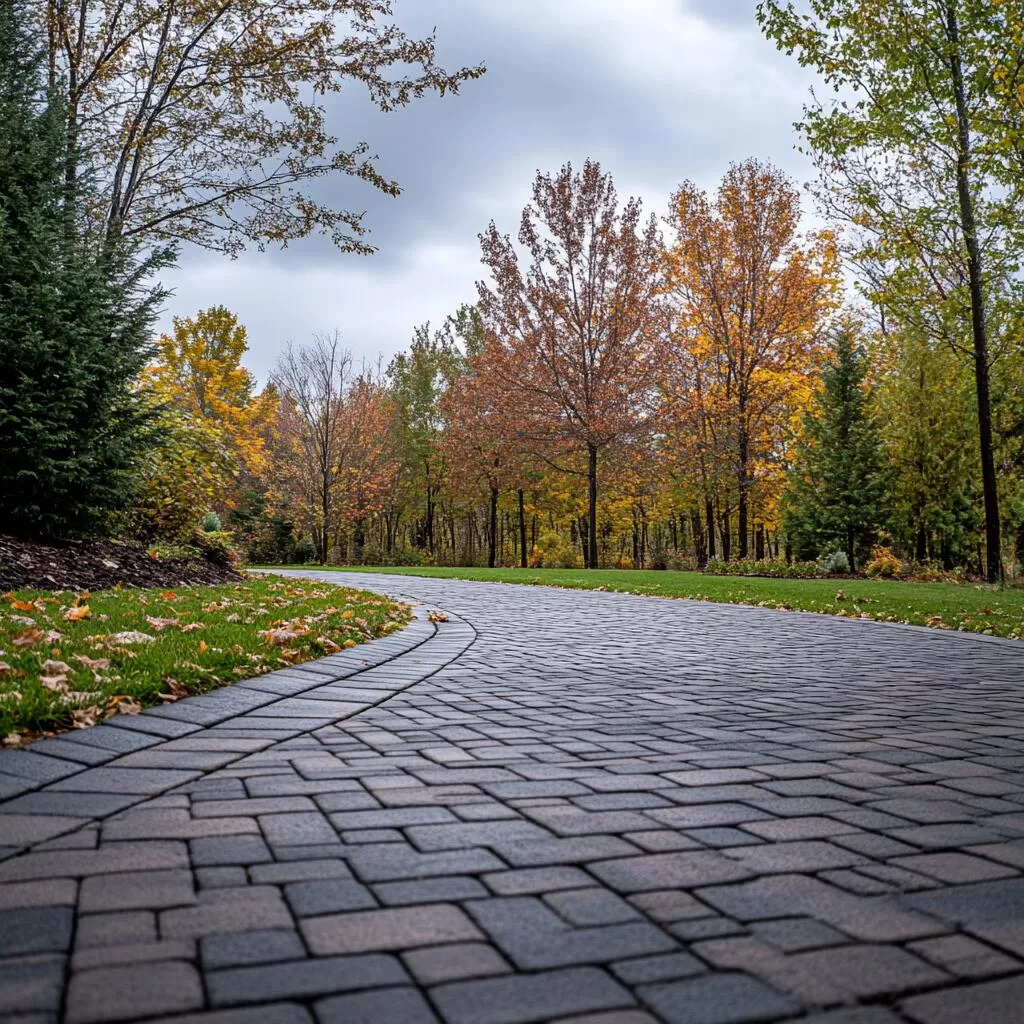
920, 148
205, 118
751, 300
571, 341
74, 320
837, 483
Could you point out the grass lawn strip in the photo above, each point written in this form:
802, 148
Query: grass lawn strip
69, 660
965, 607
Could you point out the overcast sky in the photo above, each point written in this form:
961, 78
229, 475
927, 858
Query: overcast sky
658, 91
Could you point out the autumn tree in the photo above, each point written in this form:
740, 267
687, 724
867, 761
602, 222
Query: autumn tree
206, 121
750, 300
571, 338
919, 149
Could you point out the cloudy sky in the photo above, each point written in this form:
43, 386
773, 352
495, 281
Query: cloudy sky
658, 91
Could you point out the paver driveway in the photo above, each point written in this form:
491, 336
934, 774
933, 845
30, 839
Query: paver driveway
555, 806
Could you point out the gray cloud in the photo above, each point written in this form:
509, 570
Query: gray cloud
658, 91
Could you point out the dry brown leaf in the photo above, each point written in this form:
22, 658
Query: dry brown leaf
24, 606
53, 668
191, 627
53, 635
328, 644
202, 648
82, 718
123, 706
28, 637
22, 620
161, 624
280, 635
131, 636
5, 668
59, 684
77, 613
436, 617
91, 663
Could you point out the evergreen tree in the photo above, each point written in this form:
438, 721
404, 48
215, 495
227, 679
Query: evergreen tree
75, 319
837, 484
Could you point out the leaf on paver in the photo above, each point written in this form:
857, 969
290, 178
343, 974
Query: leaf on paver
436, 617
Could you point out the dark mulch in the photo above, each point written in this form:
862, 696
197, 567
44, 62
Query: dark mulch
98, 565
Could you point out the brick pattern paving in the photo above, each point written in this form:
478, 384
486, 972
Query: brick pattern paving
566, 807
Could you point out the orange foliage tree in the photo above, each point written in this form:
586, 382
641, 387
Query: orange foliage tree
751, 298
570, 341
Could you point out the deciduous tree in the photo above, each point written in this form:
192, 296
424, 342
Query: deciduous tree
207, 122
571, 339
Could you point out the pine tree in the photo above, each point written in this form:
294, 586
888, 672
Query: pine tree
75, 320
837, 484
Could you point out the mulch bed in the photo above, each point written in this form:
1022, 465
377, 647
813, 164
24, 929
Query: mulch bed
98, 565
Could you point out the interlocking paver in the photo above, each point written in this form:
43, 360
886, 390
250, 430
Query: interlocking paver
560, 806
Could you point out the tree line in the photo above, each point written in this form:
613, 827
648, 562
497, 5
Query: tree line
626, 389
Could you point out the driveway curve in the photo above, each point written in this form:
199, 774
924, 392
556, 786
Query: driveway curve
541, 806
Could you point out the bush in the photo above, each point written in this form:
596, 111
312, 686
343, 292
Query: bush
210, 523
554, 552
675, 561
304, 552
217, 546
777, 569
883, 563
834, 562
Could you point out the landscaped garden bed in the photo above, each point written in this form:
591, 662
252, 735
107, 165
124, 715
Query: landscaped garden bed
69, 659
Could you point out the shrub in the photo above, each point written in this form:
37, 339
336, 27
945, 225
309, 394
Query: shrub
304, 552
834, 562
210, 523
554, 552
217, 546
883, 563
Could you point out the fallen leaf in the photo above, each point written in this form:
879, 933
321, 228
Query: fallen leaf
59, 683
24, 606
82, 718
51, 667
280, 636
436, 617
91, 663
76, 613
191, 627
22, 620
161, 624
131, 636
123, 706
52, 636
328, 644
203, 648
28, 637
5, 668
349, 643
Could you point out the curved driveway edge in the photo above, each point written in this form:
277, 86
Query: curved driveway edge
565, 806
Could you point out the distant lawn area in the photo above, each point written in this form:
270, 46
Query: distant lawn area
70, 660
969, 608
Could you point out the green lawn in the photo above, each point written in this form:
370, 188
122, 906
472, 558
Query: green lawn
971, 608
68, 660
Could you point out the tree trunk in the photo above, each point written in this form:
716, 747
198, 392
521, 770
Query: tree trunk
759, 542
522, 530
700, 551
849, 549
742, 481
709, 515
979, 330
592, 506
492, 529
726, 536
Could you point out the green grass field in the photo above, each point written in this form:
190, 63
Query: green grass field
68, 659
970, 608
